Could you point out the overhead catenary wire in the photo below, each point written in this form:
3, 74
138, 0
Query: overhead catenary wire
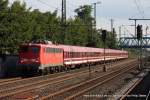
41, 1
142, 9
127, 30
138, 8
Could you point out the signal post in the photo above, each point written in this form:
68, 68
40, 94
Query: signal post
104, 41
139, 37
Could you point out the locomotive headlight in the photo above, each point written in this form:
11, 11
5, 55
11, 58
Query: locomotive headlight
37, 60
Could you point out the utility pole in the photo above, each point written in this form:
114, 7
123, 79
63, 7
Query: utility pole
112, 23
95, 12
63, 19
146, 30
146, 34
119, 33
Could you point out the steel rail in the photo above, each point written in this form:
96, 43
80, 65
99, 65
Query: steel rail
130, 89
7, 80
37, 77
78, 85
148, 95
90, 88
36, 85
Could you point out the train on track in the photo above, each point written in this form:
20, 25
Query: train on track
45, 57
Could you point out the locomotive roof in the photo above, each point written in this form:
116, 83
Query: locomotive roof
70, 48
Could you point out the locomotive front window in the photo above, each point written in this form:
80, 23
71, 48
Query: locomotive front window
35, 50
24, 49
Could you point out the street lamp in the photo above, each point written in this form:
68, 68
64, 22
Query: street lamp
99, 2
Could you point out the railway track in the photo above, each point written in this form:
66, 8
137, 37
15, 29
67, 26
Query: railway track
51, 90
16, 80
130, 89
79, 89
148, 95
30, 80
7, 91
9, 80
139, 90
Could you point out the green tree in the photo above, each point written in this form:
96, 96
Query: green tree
3, 25
18, 24
85, 21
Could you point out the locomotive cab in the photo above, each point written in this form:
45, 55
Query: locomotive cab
29, 58
29, 54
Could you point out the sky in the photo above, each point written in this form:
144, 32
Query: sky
118, 10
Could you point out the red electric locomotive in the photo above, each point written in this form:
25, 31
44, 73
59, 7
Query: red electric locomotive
47, 57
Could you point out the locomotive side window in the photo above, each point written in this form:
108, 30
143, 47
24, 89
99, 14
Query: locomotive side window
52, 50
47, 50
57, 50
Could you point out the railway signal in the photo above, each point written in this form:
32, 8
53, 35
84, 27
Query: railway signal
104, 32
139, 37
104, 35
139, 32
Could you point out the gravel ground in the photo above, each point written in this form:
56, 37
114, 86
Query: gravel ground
107, 90
113, 89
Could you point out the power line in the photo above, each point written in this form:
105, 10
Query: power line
69, 8
55, 7
71, 4
48, 5
138, 8
142, 10
127, 30
141, 7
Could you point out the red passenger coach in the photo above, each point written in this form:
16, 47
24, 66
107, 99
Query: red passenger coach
47, 57
76, 55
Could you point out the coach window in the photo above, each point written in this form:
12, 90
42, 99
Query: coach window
77, 53
65, 55
84, 54
72, 54
68, 54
